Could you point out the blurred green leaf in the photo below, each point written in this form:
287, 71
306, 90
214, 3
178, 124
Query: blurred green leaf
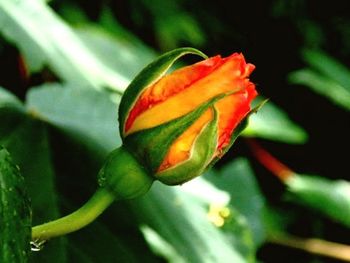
172, 25
11, 112
160, 246
108, 37
27, 141
89, 116
237, 179
176, 28
7, 99
276, 219
272, 123
331, 198
44, 38
182, 219
322, 85
328, 66
15, 212
102, 246
97, 243
28, 144
129, 55
326, 76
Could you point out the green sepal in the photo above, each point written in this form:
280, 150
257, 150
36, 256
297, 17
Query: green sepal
149, 75
201, 154
151, 145
124, 176
238, 130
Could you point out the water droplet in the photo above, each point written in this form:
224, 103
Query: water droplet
37, 245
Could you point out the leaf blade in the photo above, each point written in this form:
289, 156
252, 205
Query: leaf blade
38, 32
330, 198
272, 123
29, 146
89, 116
187, 228
15, 213
322, 85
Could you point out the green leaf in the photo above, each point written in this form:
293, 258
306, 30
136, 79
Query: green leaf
39, 33
29, 147
129, 56
102, 246
108, 37
173, 25
272, 123
11, 112
180, 216
8, 100
100, 243
89, 116
330, 198
15, 213
175, 28
328, 66
150, 74
237, 179
325, 76
322, 85
277, 220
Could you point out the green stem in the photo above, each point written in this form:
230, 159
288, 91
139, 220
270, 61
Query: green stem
76, 220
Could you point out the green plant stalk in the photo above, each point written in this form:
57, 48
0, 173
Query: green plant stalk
76, 220
121, 177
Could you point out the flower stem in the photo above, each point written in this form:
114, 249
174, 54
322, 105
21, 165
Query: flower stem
76, 220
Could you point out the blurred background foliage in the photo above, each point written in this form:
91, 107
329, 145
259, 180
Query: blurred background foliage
64, 65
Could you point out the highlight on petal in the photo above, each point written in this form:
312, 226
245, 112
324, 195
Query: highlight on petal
188, 87
180, 150
201, 155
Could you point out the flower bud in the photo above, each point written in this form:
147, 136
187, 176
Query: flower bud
177, 125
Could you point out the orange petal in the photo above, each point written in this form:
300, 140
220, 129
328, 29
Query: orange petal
231, 110
170, 85
230, 76
180, 150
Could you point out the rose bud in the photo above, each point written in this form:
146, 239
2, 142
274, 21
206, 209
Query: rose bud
178, 125
173, 128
